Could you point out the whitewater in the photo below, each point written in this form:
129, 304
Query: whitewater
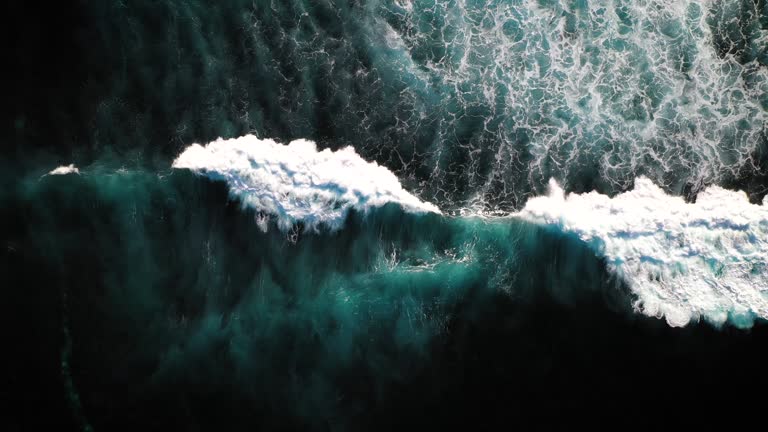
684, 261
296, 183
381, 214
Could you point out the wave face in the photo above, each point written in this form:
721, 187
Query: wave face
296, 183
177, 286
683, 260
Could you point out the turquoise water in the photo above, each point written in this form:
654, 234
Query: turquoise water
159, 301
185, 289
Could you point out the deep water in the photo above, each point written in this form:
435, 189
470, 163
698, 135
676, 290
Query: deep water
182, 313
141, 297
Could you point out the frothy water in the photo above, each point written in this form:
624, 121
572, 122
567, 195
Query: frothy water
297, 183
471, 104
188, 298
683, 260
64, 170
592, 93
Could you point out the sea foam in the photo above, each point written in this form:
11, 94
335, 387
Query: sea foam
64, 170
298, 183
684, 261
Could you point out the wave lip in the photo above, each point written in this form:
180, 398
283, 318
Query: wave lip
297, 183
64, 170
684, 261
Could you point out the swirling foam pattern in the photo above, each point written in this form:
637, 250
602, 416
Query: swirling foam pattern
472, 104
593, 93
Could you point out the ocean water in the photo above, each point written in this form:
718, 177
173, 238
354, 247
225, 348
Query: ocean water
363, 215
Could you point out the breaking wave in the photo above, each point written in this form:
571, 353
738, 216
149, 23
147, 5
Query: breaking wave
64, 170
683, 260
296, 183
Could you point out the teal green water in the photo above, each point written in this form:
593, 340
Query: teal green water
185, 290
165, 306
470, 103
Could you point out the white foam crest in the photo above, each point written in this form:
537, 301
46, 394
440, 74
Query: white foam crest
684, 261
297, 183
64, 170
